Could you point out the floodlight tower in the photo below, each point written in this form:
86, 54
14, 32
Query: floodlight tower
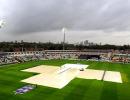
63, 30
2, 23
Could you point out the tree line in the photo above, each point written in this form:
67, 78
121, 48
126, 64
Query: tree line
34, 46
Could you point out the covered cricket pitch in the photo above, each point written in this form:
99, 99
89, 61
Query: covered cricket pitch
49, 75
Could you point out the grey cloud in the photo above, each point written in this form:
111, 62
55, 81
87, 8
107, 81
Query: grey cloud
33, 16
44, 15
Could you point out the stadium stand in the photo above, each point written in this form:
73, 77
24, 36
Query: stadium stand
97, 55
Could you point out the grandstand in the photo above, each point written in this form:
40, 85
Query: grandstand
102, 55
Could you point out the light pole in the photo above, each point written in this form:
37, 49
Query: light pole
2, 23
63, 30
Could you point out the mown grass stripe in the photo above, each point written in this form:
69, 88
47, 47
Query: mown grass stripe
95, 91
109, 91
79, 90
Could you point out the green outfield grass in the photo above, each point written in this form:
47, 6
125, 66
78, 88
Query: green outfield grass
77, 89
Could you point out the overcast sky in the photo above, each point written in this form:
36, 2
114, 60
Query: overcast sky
106, 21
